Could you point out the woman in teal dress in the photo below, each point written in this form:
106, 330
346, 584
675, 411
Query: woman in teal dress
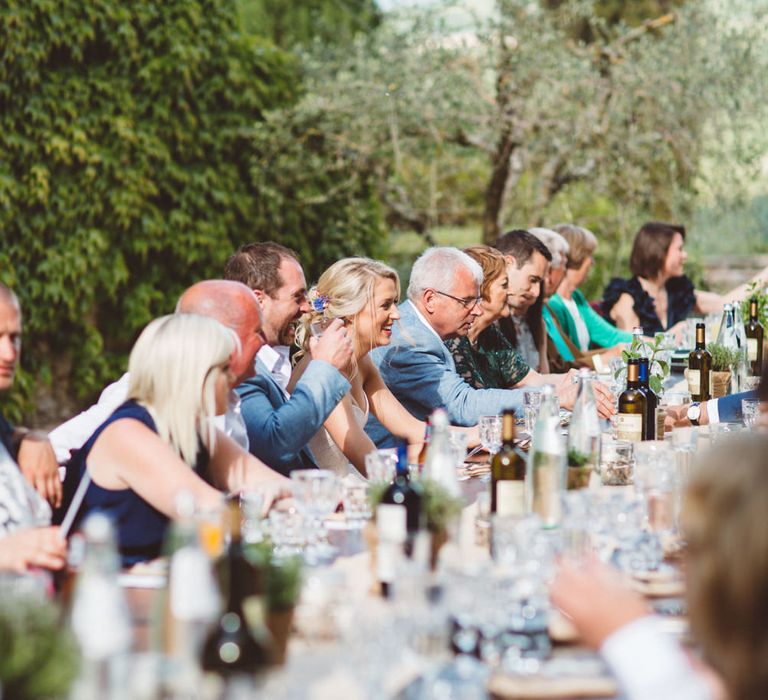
485, 358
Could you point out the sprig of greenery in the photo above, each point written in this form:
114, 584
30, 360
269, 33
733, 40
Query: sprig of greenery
757, 291
38, 655
723, 358
659, 369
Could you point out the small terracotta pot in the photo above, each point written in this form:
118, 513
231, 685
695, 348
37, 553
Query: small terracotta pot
279, 623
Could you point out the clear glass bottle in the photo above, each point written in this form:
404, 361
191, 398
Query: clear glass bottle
638, 343
440, 465
100, 618
728, 337
583, 434
192, 601
741, 338
545, 476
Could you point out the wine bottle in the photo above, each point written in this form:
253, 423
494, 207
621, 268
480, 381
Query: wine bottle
583, 434
401, 492
700, 368
508, 472
754, 332
231, 647
651, 401
632, 412
546, 462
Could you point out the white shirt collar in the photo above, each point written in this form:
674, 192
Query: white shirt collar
424, 320
277, 362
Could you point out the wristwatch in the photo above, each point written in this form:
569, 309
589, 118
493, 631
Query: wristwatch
694, 413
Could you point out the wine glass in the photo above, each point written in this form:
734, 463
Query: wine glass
317, 493
490, 433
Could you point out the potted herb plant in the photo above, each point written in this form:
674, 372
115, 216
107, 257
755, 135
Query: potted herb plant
282, 588
440, 508
723, 359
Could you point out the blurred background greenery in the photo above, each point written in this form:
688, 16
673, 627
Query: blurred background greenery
141, 144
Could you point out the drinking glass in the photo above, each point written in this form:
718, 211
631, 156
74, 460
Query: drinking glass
458, 442
531, 405
718, 432
490, 433
318, 327
576, 545
616, 462
749, 412
317, 493
381, 464
287, 530
252, 506
356, 507
656, 479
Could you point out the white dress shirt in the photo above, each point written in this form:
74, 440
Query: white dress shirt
650, 665
276, 358
73, 434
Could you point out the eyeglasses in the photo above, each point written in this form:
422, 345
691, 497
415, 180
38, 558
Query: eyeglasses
469, 303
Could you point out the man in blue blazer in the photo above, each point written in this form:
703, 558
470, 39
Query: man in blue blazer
279, 424
443, 301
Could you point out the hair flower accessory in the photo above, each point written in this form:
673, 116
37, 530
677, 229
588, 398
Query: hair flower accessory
319, 302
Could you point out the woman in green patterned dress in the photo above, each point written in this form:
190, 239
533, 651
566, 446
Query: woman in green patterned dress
485, 358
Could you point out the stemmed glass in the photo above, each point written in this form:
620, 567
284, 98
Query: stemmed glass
317, 494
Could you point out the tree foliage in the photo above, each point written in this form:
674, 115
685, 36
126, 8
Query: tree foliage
134, 161
550, 127
291, 23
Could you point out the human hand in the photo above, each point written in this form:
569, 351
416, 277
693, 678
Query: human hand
39, 466
334, 346
37, 547
604, 400
596, 599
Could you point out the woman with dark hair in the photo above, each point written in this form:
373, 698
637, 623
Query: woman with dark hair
485, 358
659, 295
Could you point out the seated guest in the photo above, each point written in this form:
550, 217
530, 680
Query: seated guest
161, 441
280, 422
485, 358
443, 302
26, 540
583, 326
363, 294
659, 296
726, 571
230, 303
528, 260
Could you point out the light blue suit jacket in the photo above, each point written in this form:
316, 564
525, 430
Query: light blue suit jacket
279, 428
419, 370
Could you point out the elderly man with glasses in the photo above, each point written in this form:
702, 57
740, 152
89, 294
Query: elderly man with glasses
443, 301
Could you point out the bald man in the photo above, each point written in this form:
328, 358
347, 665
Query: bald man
231, 303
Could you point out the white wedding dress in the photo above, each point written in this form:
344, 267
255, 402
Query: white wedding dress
327, 453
